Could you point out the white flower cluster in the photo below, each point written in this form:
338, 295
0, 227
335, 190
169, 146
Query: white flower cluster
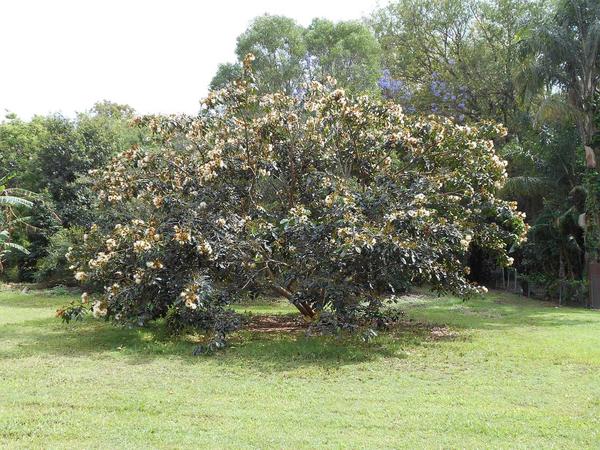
190, 297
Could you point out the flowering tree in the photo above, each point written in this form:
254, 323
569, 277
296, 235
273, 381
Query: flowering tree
326, 200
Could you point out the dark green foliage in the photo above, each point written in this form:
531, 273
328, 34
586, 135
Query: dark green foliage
53, 267
212, 315
51, 156
72, 312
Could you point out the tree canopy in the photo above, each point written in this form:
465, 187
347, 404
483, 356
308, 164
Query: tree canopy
288, 55
326, 199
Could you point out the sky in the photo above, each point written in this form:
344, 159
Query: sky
157, 56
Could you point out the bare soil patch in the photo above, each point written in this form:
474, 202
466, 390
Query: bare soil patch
272, 323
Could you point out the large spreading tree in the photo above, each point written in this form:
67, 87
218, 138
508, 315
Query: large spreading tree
328, 200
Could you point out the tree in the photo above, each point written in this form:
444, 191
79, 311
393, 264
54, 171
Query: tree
288, 55
328, 200
279, 49
347, 51
10, 202
19, 142
564, 54
226, 73
457, 57
51, 155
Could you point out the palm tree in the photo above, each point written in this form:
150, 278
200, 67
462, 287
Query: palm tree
563, 54
11, 200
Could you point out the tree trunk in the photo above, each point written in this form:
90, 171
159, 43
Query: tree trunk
304, 307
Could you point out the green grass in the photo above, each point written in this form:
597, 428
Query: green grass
516, 374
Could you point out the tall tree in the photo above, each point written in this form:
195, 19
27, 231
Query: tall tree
564, 55
288, 55
226, 73
278, 46
348, 51
458, 57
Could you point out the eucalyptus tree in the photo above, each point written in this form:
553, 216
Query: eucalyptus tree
278, 46
347, 51
289, 55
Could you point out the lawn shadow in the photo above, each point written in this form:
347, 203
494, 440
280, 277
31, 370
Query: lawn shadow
49, 336
260, 351
289, 351
285, 349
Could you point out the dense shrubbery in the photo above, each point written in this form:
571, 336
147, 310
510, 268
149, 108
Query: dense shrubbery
53, 268
324, 199
50, 155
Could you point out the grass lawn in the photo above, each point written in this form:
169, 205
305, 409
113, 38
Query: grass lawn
505, 372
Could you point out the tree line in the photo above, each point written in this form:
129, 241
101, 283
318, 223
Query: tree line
530, 65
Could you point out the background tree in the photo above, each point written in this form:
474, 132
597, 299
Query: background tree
347, 51
51, 155
457, 57
226, 73
288, 55
564, 55
278, 46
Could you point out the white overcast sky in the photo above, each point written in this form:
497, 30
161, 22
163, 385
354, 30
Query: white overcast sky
157, 56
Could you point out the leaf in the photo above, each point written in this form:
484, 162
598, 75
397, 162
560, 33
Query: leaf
11, 200
16, 247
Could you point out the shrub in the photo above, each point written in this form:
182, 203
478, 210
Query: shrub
327, 200
54, 267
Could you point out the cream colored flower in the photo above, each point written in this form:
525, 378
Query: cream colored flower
156, 264
158, 201
99, 309
81, 276
141, 246
182, 236
190, 297
204, 248
329, 200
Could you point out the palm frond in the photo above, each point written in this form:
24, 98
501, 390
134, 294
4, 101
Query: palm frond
554, 108
13, 246
526, 186
11, 200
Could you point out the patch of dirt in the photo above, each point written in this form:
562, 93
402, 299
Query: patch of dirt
277, 323
439, 333
273, 323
